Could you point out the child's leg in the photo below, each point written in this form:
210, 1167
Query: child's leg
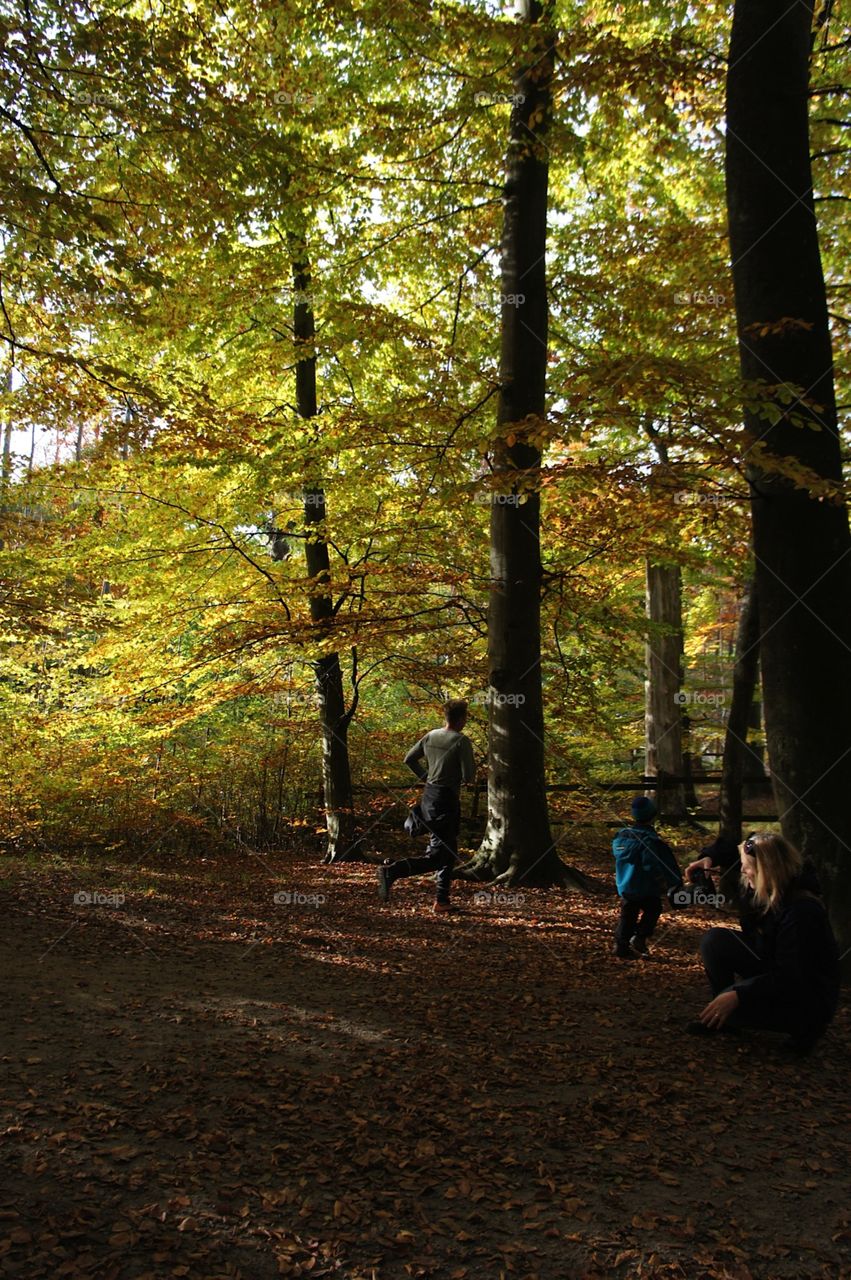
627, 922
651, 909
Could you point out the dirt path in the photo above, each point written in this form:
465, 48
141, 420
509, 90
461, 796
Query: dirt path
201, 1082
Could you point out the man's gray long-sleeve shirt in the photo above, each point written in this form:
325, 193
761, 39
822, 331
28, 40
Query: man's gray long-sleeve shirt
448, 757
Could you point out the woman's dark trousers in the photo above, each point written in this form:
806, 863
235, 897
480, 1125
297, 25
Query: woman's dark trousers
729, 954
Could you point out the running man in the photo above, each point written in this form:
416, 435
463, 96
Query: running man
442, 759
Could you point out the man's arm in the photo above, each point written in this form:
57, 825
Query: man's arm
415, 757
468, 762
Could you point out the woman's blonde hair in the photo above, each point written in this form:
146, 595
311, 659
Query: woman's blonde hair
777, 864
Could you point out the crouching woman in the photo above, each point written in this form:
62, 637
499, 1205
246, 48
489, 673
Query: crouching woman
780, 971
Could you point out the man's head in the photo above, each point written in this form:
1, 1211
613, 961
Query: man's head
455, 713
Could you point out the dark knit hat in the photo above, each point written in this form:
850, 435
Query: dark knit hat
643, 809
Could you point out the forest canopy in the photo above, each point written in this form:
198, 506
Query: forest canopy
253, 322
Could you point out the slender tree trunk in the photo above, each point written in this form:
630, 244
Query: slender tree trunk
280, 778
7, 432
758, 783
262, 810
690, 766
6, 472
665, 726
7, 452
335, 717
664, 667
801, 537
736, 757
518, 846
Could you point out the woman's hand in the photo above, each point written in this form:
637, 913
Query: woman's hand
718, 1010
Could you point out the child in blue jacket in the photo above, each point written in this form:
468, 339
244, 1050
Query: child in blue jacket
645, 868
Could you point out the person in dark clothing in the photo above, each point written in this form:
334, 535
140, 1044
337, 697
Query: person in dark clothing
722, 858
443, 759
780, 970
645, 867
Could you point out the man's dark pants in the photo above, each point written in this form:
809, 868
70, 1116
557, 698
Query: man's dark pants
648, 909
441, 807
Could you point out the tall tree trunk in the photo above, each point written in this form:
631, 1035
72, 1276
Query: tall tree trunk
663, 729
6, 418
7, 427
7, 451
335, 717
736, 757
666, 728
758, 783
801, 537
690, 765
518, 845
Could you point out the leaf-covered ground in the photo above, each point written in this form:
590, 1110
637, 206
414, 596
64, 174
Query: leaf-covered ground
202, 1082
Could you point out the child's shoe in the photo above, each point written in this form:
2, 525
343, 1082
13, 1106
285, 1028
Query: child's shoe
639, 944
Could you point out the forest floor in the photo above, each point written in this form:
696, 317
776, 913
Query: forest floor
201, 1082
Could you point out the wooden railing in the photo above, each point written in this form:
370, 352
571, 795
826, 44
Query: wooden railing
657, 786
